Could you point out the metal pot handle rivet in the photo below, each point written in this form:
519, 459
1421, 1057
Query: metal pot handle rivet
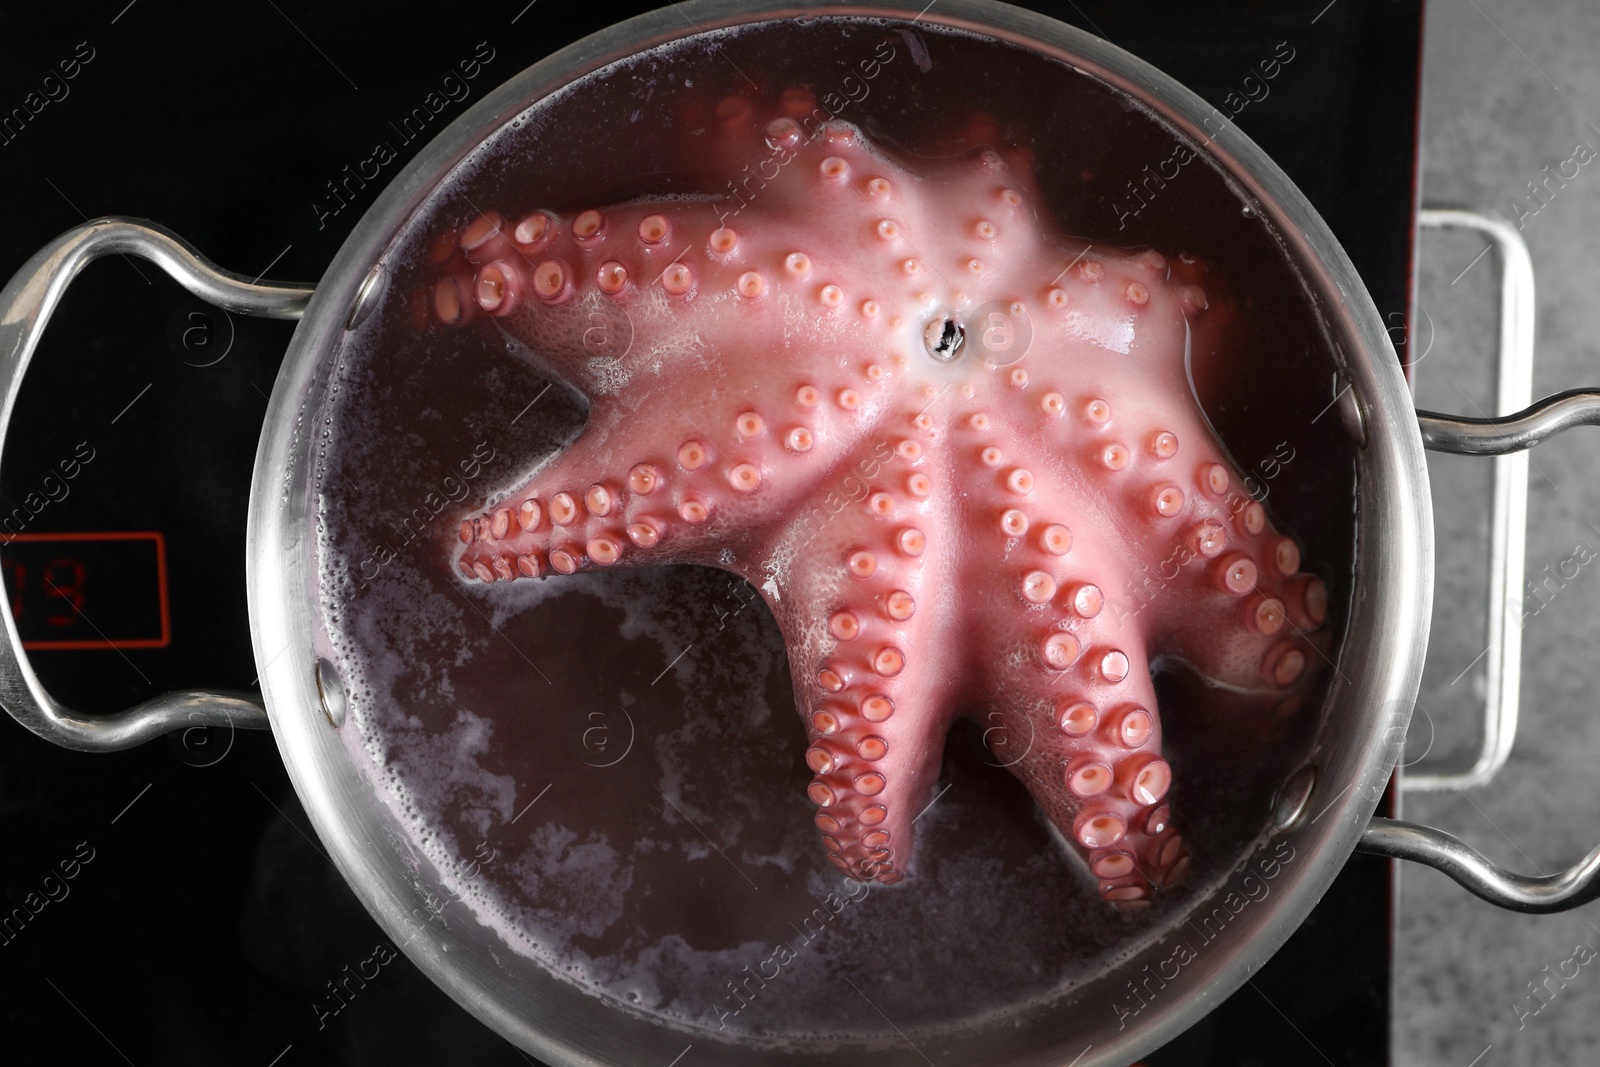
330, 690
1351, 416
367, 296
26, 304
1289, 805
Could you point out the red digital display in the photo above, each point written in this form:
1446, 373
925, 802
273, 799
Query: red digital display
87, 590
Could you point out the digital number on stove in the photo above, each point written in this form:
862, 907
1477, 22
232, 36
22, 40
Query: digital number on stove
87, 590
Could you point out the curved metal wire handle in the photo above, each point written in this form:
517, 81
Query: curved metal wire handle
1509, 513
26, 304
1534, 424
1503, 438
1541, 895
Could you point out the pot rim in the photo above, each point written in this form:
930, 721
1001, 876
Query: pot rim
1386, 633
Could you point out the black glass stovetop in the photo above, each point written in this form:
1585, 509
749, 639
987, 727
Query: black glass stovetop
202, 923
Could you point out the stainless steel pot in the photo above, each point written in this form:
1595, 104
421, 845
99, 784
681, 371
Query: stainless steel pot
1323, 811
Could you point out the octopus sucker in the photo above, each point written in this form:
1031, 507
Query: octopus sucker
938, 532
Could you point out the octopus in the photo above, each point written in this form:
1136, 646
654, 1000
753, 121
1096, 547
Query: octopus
940, 442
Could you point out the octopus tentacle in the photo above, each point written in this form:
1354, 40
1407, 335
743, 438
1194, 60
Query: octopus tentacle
872, 675
1070, 679
1097, 771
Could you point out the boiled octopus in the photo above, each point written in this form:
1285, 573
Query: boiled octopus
937, 440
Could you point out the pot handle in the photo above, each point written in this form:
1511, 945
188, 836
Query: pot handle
1509, 522
1501, 437
26, 304
1541, 895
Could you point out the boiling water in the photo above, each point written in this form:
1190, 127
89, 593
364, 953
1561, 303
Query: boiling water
608, 767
